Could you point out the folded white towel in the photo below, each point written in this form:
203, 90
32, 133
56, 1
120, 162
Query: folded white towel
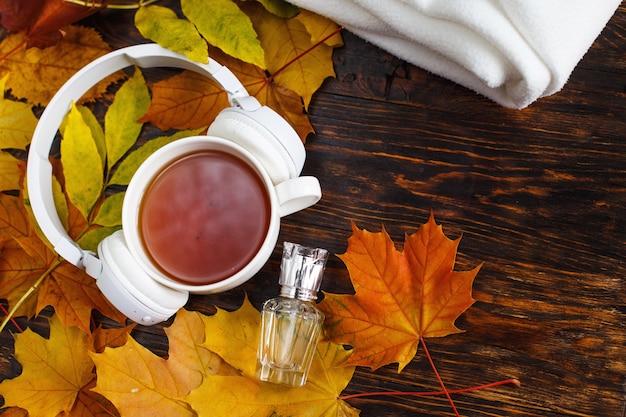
512, 51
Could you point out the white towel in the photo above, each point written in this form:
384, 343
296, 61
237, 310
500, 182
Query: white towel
512, 51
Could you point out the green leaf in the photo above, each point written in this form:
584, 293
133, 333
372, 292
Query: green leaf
60, 202
82, 165
120, 122
93, 237
162, 26
96, 131
280, 8
129, 165
110, 212
225, 26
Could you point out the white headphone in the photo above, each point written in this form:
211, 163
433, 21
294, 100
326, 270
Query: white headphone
125, 284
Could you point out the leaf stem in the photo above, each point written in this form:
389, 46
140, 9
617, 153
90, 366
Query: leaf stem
27, 294
513, 381
4, 310
443, 387
87, 3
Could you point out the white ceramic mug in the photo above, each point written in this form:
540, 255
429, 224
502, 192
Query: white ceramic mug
283, 198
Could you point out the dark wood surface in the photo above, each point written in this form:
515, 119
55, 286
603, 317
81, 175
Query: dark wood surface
538, 195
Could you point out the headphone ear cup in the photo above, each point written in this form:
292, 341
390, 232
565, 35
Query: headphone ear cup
266, 135
130, 289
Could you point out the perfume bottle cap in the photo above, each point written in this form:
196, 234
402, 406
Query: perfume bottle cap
301, 271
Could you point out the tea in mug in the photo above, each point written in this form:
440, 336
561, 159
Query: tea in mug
204, 217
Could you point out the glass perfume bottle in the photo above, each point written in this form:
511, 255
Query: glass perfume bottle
291, 324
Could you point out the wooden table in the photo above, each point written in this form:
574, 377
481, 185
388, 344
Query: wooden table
538, 195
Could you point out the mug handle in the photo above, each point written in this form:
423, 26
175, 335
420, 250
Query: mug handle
296, 194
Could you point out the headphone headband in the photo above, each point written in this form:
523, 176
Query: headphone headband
39, 172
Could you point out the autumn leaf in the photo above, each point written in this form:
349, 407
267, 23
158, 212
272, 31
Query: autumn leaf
234, 336
114, 337
110, 212
92, 404
185, 101
8, 166
239, 396
225, 25
17, 121
42, 20
57, 373
162, 25
321, 28
196, 378
141, 383
17, 124
32, 276
192, 101
289, 55
121, 128
18, 273
399, 297
74, 295
280, 8
82, 164
37, 75
301, 59
54, 371
127, 167
14, 412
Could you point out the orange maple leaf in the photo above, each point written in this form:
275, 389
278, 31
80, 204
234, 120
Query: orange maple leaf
29, 268
400, 297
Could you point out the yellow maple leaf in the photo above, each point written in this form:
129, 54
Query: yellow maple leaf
37, 74
235, 337
320, 28
400, 297
54, 371
292, 58
17, 121
17, 124
138, 382
9, 168
195, 379
240, 396
114, 337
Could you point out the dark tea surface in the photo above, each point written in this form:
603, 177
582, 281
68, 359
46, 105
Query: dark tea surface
204, 217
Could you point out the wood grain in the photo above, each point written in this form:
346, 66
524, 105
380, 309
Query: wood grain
538, 196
